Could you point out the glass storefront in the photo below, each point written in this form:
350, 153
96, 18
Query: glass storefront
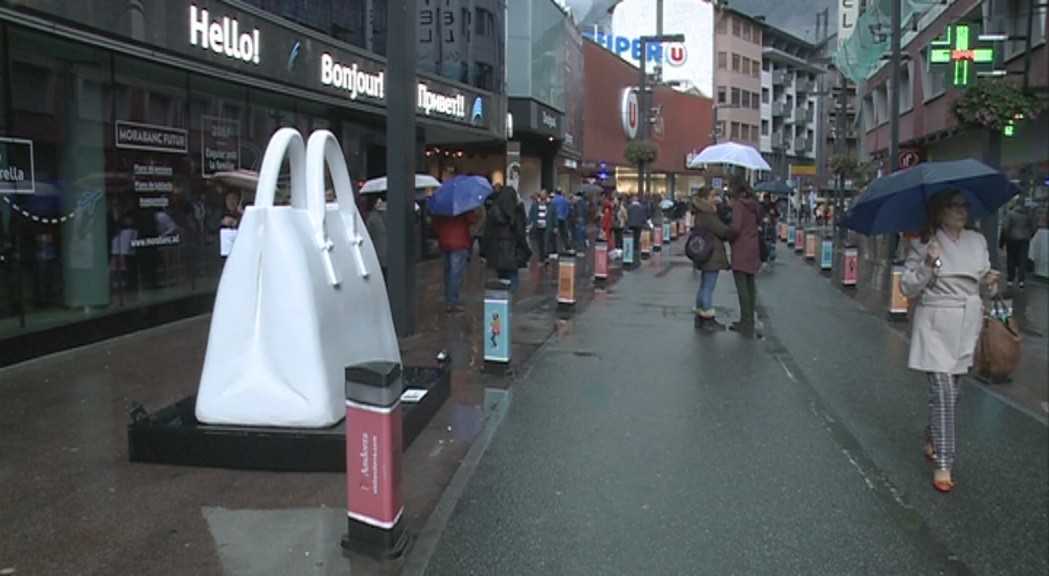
115, 189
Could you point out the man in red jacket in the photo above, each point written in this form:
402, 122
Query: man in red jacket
453, 238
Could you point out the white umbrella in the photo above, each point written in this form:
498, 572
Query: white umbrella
245, 179
730, 153
378, 185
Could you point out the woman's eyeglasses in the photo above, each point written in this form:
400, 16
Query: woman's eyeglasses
958, 205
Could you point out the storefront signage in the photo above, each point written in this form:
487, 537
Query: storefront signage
547, 119
431, 102
535, 118
956, 49
848, 12
136, 136
220, 145
223, 36
629, 112
17, 172
351, 79
675, 54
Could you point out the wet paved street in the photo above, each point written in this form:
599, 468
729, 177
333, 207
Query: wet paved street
636, 446
625, 444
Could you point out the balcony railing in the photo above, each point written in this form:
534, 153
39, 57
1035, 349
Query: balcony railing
781, 78
803, 145
805, 86
803, 115
780, 109
781, 140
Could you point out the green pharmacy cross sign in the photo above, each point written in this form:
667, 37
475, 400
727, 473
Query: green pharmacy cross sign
956, 48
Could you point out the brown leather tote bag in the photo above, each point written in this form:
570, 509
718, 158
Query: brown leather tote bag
999, 348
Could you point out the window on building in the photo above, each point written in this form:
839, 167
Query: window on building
755, 70
721, 95
746, 99
906, 87
746, 31
722, 25
736, 59
746, 66
765, 95
735, 131
755, 102
1016, 26
737, 28
723, 60
736, 96
933, 83
764, 127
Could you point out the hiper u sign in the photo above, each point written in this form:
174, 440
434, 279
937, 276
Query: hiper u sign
630, 112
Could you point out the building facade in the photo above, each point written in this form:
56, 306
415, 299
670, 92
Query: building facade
119, 115
737, 78
612, 120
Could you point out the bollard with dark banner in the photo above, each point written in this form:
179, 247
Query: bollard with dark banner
374, 497
791, 232
566, 280
850, 261
497, 316
827, 254
646, 243
600, 261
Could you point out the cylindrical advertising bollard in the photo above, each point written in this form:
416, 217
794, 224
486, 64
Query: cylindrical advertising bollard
811, 241
566, 280
791, 232
374, 498
680, 227
851, 261
673, 229
497, 316
629, 257
646, 243
898, 303
799, 240
600, 261
827, 254
657, 239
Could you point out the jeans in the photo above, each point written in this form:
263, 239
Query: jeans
748, 295
541, 236
454, 270
705, 294
512, 275
1016, 259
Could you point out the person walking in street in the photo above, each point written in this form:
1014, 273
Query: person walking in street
619, 218
636, 219
580, 215
746, 254
505, 245
539, 222
706, 215
561, 207
453, 239
1016, 239
944, 272
376, 225
607, 217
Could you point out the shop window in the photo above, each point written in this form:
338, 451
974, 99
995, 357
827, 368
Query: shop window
35, 89
736, 96
721, 94
736, 62
723, 60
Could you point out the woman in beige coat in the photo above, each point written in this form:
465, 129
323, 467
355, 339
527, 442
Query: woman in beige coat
944, 272
706, 214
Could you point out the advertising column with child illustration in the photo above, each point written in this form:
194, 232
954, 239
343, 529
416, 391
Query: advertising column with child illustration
497, 330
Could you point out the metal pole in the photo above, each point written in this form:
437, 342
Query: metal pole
715, 133
894, 95
400, 166
642, 109
841, 145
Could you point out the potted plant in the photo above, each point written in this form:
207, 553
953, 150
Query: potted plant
641, 153
844, 165
994, 102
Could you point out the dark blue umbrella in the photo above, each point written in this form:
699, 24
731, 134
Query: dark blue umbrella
898, 202
773, 187
459, 195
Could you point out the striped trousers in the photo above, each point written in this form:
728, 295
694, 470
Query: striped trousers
944, 390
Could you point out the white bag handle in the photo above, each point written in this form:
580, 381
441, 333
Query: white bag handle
323, 149
286, 141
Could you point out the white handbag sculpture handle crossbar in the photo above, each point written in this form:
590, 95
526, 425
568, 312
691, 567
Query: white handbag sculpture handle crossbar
323, 149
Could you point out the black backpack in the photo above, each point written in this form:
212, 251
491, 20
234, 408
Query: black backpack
700, 244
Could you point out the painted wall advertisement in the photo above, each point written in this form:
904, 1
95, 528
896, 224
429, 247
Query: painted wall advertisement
373, 463
150, 158
496, 330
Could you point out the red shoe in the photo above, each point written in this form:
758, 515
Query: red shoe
944, 485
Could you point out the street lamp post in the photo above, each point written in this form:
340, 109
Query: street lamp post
643, 102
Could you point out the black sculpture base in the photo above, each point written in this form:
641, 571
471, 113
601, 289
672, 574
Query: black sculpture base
174, 436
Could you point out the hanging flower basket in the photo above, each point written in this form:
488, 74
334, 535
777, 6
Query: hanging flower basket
993, 102
641, 153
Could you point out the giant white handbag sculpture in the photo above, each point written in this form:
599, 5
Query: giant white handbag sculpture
300, 298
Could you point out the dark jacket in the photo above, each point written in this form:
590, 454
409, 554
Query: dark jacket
636, 217
746, 251
505, 246
706, 215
